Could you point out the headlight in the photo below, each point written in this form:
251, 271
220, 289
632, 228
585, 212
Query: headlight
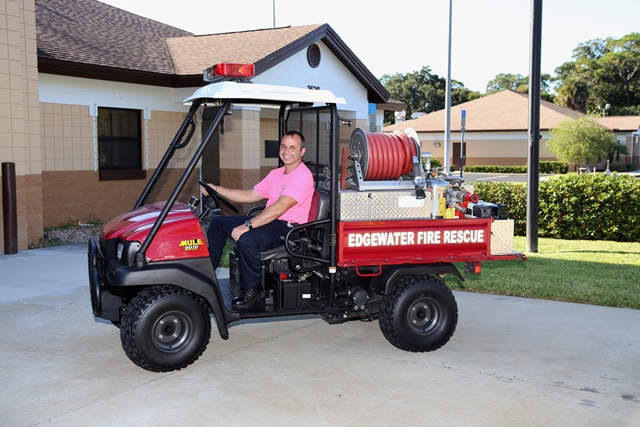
126, 252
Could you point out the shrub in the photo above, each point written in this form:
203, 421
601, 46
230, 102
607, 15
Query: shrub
625, 167
585, 207
590, 207
554, 167
581, 141
435, 163
545, 167
495, 169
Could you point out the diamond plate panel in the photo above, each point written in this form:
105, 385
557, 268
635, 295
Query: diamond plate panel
383, 205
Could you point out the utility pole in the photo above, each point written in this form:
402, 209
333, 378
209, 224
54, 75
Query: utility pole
274, 13
533, 166
447, 111
463, 120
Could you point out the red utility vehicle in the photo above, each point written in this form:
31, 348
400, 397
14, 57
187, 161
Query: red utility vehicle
382, 234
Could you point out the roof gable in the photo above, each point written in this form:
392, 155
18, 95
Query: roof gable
267, 48
192, 54
502, 111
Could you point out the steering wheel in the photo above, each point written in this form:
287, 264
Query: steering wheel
217, 196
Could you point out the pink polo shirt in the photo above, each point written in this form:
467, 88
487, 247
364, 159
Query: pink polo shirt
298, 184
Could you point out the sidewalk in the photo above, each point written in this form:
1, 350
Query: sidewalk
512, 362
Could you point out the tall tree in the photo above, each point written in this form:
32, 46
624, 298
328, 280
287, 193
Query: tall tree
515, 82
573, 92
423, 91
603, 72
520, 83
623, 58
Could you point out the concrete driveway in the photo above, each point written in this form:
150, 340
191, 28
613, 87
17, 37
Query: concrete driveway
511, 362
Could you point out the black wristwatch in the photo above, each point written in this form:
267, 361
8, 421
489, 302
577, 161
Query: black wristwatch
248, 224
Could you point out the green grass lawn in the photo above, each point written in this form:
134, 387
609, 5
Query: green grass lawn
590, 272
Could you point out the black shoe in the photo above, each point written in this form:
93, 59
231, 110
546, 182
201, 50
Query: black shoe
249, 298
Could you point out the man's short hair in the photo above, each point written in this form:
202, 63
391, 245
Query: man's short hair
298, 134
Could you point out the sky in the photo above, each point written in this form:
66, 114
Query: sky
488, 37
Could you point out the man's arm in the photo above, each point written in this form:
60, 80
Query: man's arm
273, 212
236, 194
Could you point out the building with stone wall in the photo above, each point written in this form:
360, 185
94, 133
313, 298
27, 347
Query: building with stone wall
92, 96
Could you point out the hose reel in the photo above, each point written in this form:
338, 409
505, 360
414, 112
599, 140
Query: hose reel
375, 159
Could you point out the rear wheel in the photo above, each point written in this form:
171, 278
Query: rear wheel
419, 314
165, 328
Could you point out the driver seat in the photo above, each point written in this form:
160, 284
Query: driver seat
319, 210
314, 235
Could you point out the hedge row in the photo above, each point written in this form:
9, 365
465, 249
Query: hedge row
545, 167
625, 167
585, 207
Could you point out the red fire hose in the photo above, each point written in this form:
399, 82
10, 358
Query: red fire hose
385, 156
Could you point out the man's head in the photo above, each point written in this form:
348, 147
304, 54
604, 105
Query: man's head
292, 149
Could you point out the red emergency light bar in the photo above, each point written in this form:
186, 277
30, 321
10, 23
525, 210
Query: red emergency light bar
229, 69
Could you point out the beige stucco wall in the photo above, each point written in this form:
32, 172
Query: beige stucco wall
19, 115
67, 137
486, 148
72, 190
161, 129
242, 150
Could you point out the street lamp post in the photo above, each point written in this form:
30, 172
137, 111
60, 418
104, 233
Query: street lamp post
447, 113
533, 160
463, 120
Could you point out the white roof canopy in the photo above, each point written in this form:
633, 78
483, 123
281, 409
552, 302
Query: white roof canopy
261, 92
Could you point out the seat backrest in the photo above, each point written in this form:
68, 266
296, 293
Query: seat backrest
319, 205
319, 210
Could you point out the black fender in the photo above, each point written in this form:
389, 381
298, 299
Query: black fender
383, 283
196, 276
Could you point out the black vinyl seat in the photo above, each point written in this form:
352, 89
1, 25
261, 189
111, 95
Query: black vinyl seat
319, 210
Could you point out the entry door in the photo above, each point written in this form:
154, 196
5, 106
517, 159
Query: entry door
456, 155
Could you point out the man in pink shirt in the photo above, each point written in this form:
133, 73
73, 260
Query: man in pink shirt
288, 191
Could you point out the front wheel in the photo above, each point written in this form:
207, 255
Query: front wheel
419, 314
165, 328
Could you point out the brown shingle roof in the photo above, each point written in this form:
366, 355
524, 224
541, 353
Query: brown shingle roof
86, 38
503, 111
620, 123
90, 32
192, 54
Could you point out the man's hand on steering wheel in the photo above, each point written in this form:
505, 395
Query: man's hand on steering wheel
217, 196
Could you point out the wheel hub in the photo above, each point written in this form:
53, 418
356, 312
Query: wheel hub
424, 316
171, 332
